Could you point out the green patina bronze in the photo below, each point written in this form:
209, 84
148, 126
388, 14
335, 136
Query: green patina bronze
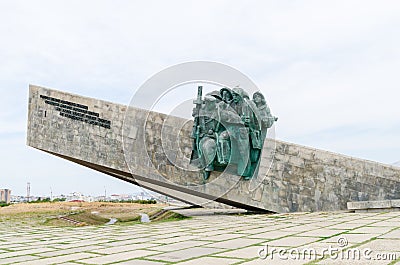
229, 131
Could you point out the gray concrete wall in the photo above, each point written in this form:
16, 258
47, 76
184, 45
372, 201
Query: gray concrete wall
155, 148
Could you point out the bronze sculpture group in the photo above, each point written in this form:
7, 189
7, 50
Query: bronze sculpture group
229, 131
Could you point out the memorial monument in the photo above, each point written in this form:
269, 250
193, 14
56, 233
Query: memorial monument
161, 153
224, 153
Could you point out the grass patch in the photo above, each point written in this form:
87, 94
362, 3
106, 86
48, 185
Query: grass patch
57, 222
276, 217
84, 218
169, 216
144, 201
96, 213
128, 220
89, 218
156, 216
4, 204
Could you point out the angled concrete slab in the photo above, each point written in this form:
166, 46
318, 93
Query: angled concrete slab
153, 150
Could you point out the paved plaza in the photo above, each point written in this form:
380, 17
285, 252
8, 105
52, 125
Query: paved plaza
301, 238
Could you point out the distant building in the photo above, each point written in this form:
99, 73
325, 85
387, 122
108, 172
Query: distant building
121, 197
18, 199
77, 196
5, 195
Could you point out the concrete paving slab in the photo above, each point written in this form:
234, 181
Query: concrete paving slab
209, 233
139, 262
65, 258
14, 246
222, 237
118, 249
346, 226
274, 226
236, 243
322, 232
277, 261
15, 260
122, 242
119, 257
293, 241
372, 229
272, 234
321, 248
379, 216
180, 245
216, 230
175, 239
80, 243
383, 245
164, 235
67, 251
210, 261
24, 252
395, 234
241, 253
363, 222
320, 222
352, 238
299, 228
27, 247
184, 254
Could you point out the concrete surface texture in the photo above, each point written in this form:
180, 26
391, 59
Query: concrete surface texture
294, 238
120, 140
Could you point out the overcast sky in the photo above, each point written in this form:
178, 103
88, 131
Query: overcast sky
329, 69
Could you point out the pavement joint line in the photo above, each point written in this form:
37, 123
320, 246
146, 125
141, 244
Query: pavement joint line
193, 258
393, 229
156, 260
227, 257
207, 256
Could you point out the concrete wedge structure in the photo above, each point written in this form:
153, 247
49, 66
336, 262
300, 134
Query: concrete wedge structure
153, 150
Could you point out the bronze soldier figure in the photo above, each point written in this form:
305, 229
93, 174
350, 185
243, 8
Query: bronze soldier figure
230, 129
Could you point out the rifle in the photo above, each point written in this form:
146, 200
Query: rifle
196, 125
